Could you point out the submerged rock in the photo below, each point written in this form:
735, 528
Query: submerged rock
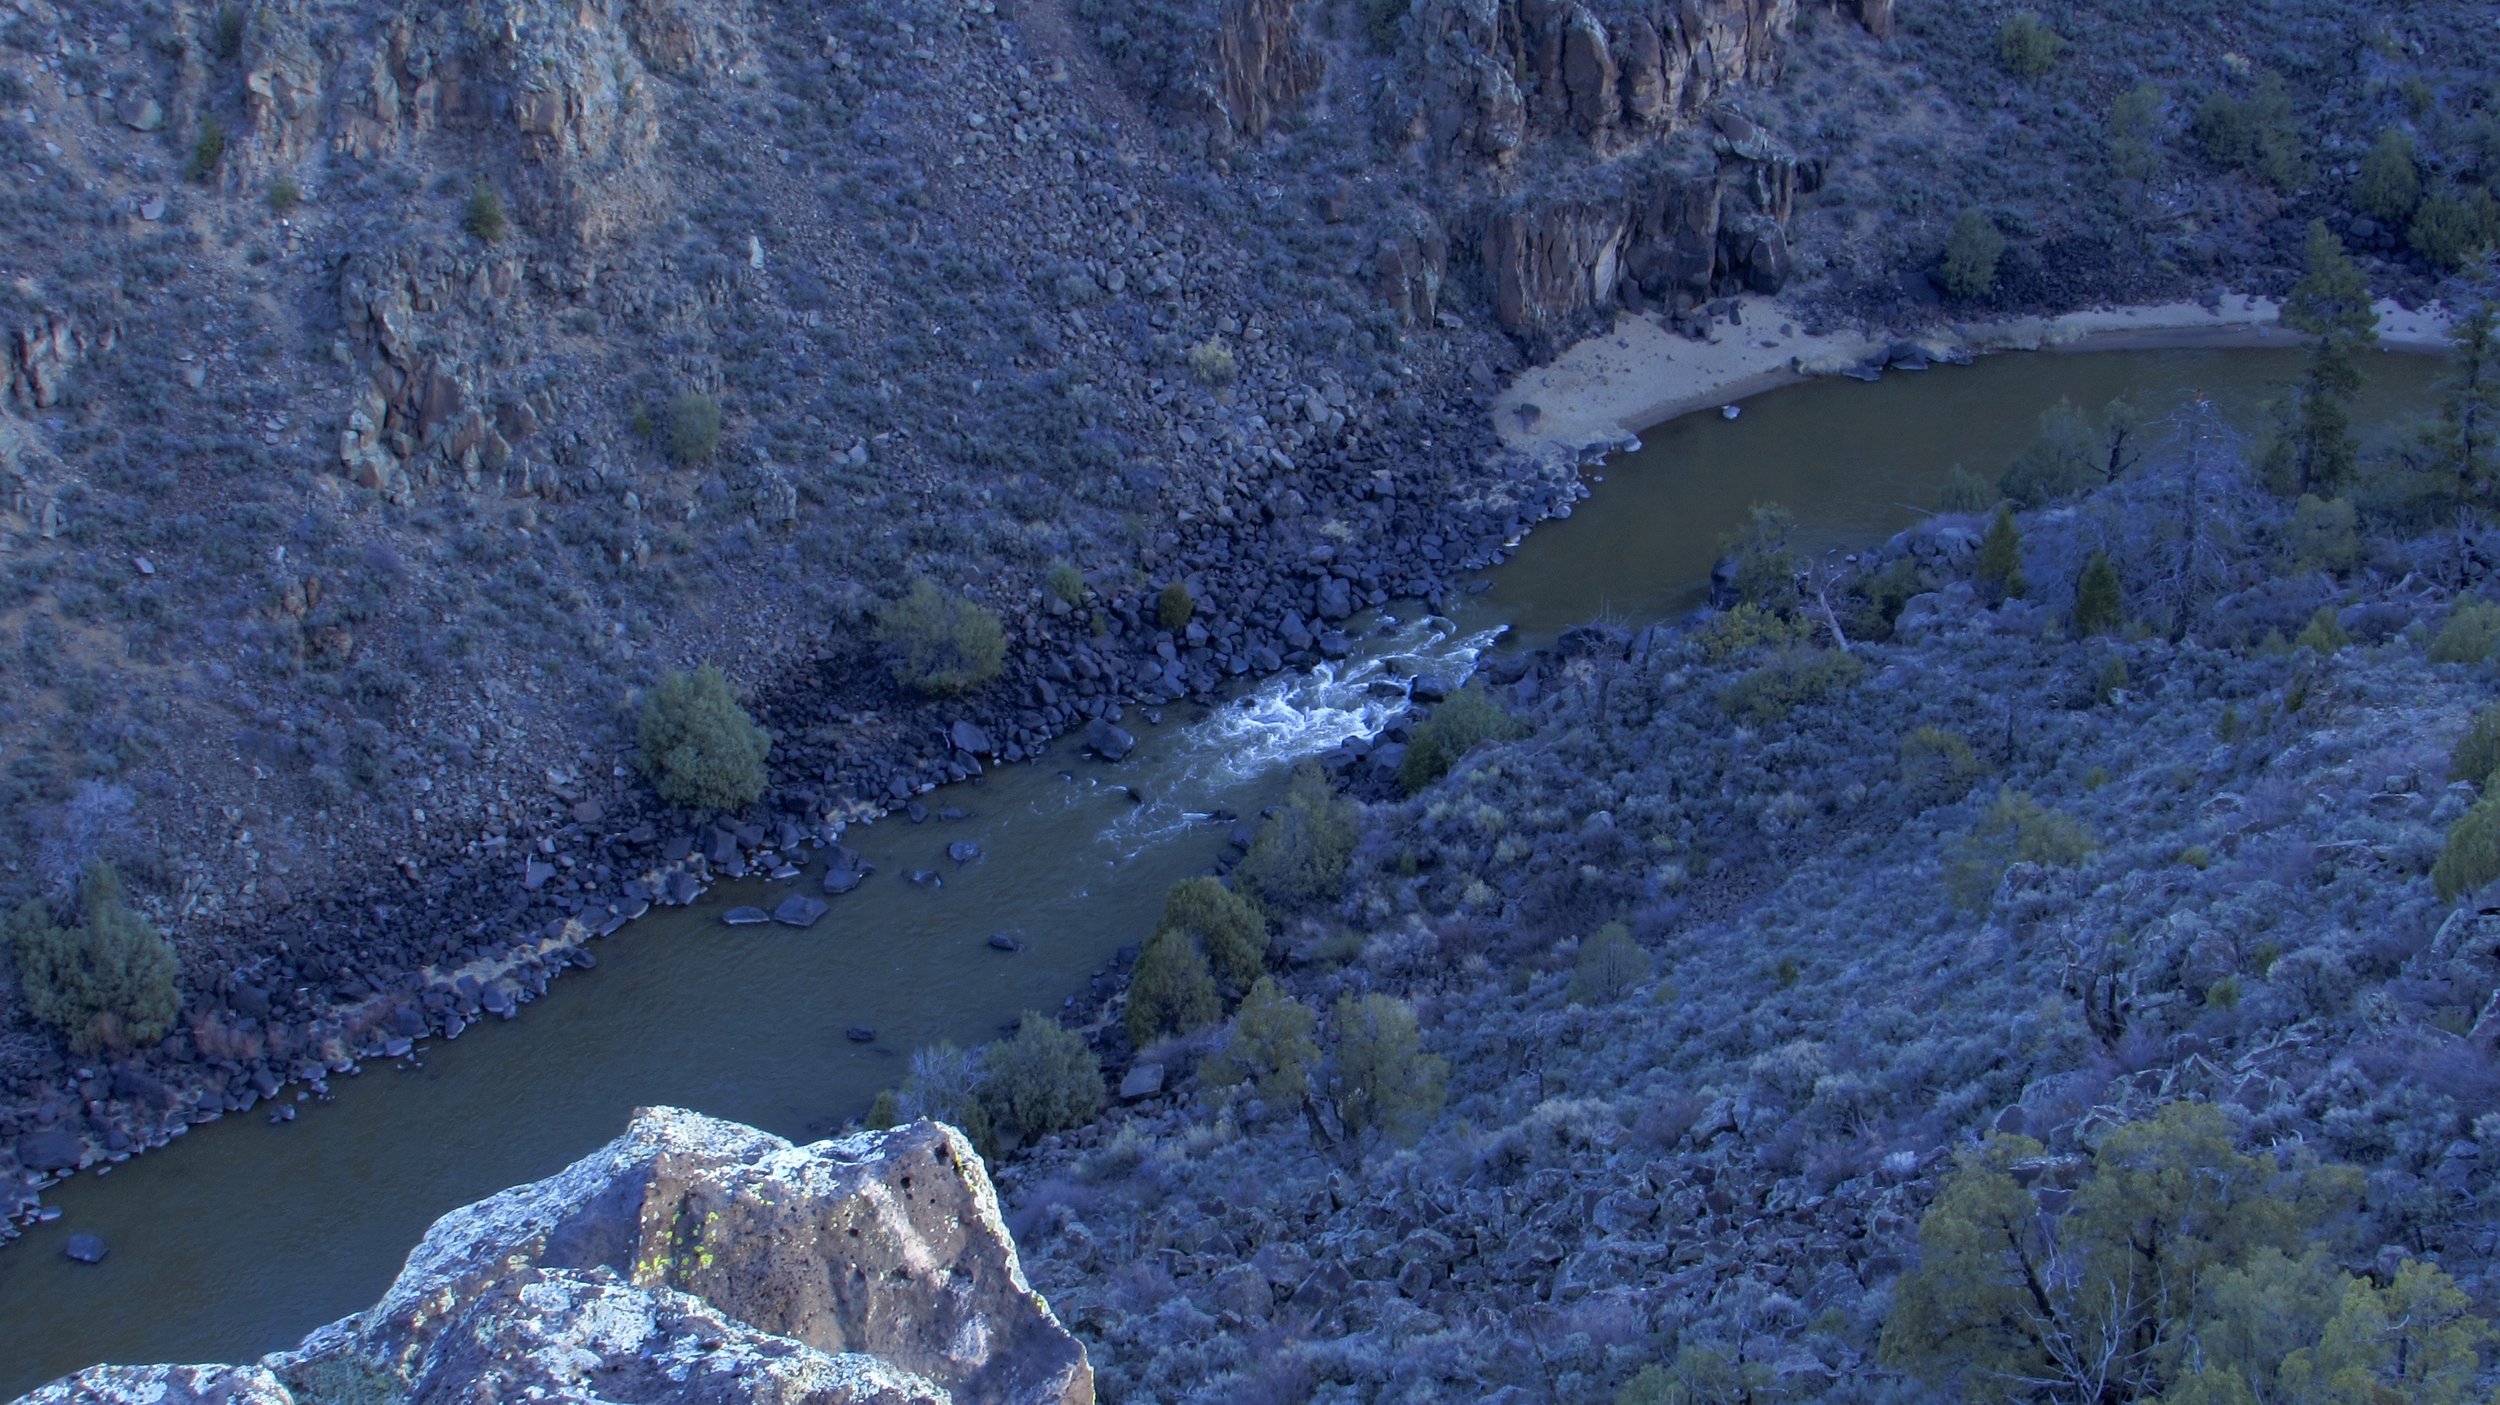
689, 1260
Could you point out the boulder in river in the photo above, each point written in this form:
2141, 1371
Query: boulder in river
1000, 941
1108, 740
963, 851
860, 1034
746, 917
799, 910
84, 1248
839, 880
690, 1260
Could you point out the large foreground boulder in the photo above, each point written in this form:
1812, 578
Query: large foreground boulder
689, 1260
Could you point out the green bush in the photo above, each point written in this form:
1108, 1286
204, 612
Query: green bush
1610, 963
107, 985
1173, 607
1269, 1046
1738, 631
1227, 927
284, 196
2256, 133
2390, 186
938, 643
2478, 751
1380, 1080
1213, 362
2100, 605
1999, 570
2323, 535
699, 748
1066, 582
1938, 765
1970, 256
1300, 855
2016, 829
1965, 491
1465, 720
1793, 678
2027, 47
208, 150
1764, 565
486, 219
2470, 859
1043, 1079
2471, 632
694, 421
2324, 633
2453, 231
1171, 992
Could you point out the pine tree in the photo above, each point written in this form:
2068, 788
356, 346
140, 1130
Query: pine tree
1380, 1080
2099, 605
2000, 568
2332, 304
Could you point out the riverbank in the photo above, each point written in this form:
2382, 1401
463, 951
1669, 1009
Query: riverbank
1606, 388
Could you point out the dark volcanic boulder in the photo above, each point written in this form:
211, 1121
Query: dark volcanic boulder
1108, 740
799, 910
689, 1260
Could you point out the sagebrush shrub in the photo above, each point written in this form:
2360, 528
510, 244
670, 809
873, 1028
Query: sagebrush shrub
1467, 719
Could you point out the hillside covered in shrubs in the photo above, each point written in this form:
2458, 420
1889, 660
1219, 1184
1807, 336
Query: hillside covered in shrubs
2054, 962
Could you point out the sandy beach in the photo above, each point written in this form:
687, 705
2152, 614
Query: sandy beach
1609, 387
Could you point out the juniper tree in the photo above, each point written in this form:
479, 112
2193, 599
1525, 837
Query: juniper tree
698, 746
2000, 566
1227, 927
2100, 605
109, 982
1269, 1046
1380, 1080
1043, 1079
1171, 991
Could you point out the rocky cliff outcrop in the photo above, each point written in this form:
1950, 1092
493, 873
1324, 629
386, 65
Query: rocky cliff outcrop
1582, 154
689, 1260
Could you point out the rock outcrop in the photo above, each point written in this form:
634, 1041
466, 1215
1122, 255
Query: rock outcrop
689, 1260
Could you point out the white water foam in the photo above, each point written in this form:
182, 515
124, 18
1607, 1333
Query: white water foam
1295, 716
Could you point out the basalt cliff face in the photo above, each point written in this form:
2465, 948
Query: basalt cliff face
689, 1260
1578, 156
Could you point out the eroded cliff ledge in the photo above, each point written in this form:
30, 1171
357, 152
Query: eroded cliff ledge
688, 1260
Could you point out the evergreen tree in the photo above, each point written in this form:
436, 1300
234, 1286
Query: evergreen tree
108, 984
1380, 1080
2099, 605
1043, 1079
1171, 991
1610, 963
2332, 304
1226, 925
2000, 567
698, 747
1270, 1046
1300, 856
1970, 257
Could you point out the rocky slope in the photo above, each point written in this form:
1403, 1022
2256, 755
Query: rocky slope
689, 1260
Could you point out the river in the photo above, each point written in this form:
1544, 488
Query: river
242, 1236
